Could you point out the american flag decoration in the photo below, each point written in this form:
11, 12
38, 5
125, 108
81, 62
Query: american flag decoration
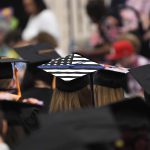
118, 69
71, 67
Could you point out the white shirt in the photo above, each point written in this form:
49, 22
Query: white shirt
4, 147
42, 22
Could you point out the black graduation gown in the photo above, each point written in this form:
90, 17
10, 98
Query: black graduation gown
43, 94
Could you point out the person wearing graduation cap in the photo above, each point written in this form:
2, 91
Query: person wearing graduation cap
72, 80
71, 95
37, 83
10, 85
109, 85
21, 119
114, 127
19, 113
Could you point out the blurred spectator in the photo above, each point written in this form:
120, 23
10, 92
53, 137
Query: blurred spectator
123, 53
96, 10
8, 14
44, 37
12, 38
146, 42
41, 20
108, 22
18, 11
5, 27
131, 21
111, 26
143, 7
133, 39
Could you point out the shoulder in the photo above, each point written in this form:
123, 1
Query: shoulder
46, 13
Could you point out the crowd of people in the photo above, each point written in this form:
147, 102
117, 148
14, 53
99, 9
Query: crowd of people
94, 98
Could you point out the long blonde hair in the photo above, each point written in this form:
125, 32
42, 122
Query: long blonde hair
67, 101
106, 95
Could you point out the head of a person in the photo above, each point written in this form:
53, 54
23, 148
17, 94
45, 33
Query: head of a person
96, 10
130, 19
110, 26
71, 95
109, 87
122, 53
44, 37
33, 7
12, 38
133, 39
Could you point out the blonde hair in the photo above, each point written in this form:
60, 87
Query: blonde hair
67, 101
133, 39
105, 95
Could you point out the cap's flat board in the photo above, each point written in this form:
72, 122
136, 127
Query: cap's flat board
71, 67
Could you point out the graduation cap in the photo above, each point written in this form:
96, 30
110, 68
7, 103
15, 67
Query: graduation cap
37, 54
8, 70
111, 76
141, 74
71, 67
90, 128
71, 71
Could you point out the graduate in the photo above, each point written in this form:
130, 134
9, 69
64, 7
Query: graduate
36, 83
109, 85
72, 82
9, 78
113, 127
20, 114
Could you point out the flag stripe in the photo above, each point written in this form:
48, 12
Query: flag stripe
68, 70
69, 75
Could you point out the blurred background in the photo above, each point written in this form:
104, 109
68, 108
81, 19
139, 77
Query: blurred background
106, 31
71, 16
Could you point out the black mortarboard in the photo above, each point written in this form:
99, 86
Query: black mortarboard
92, 127
71, 67
111, 76
131, 112
141, 74
8, 70
37, 54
